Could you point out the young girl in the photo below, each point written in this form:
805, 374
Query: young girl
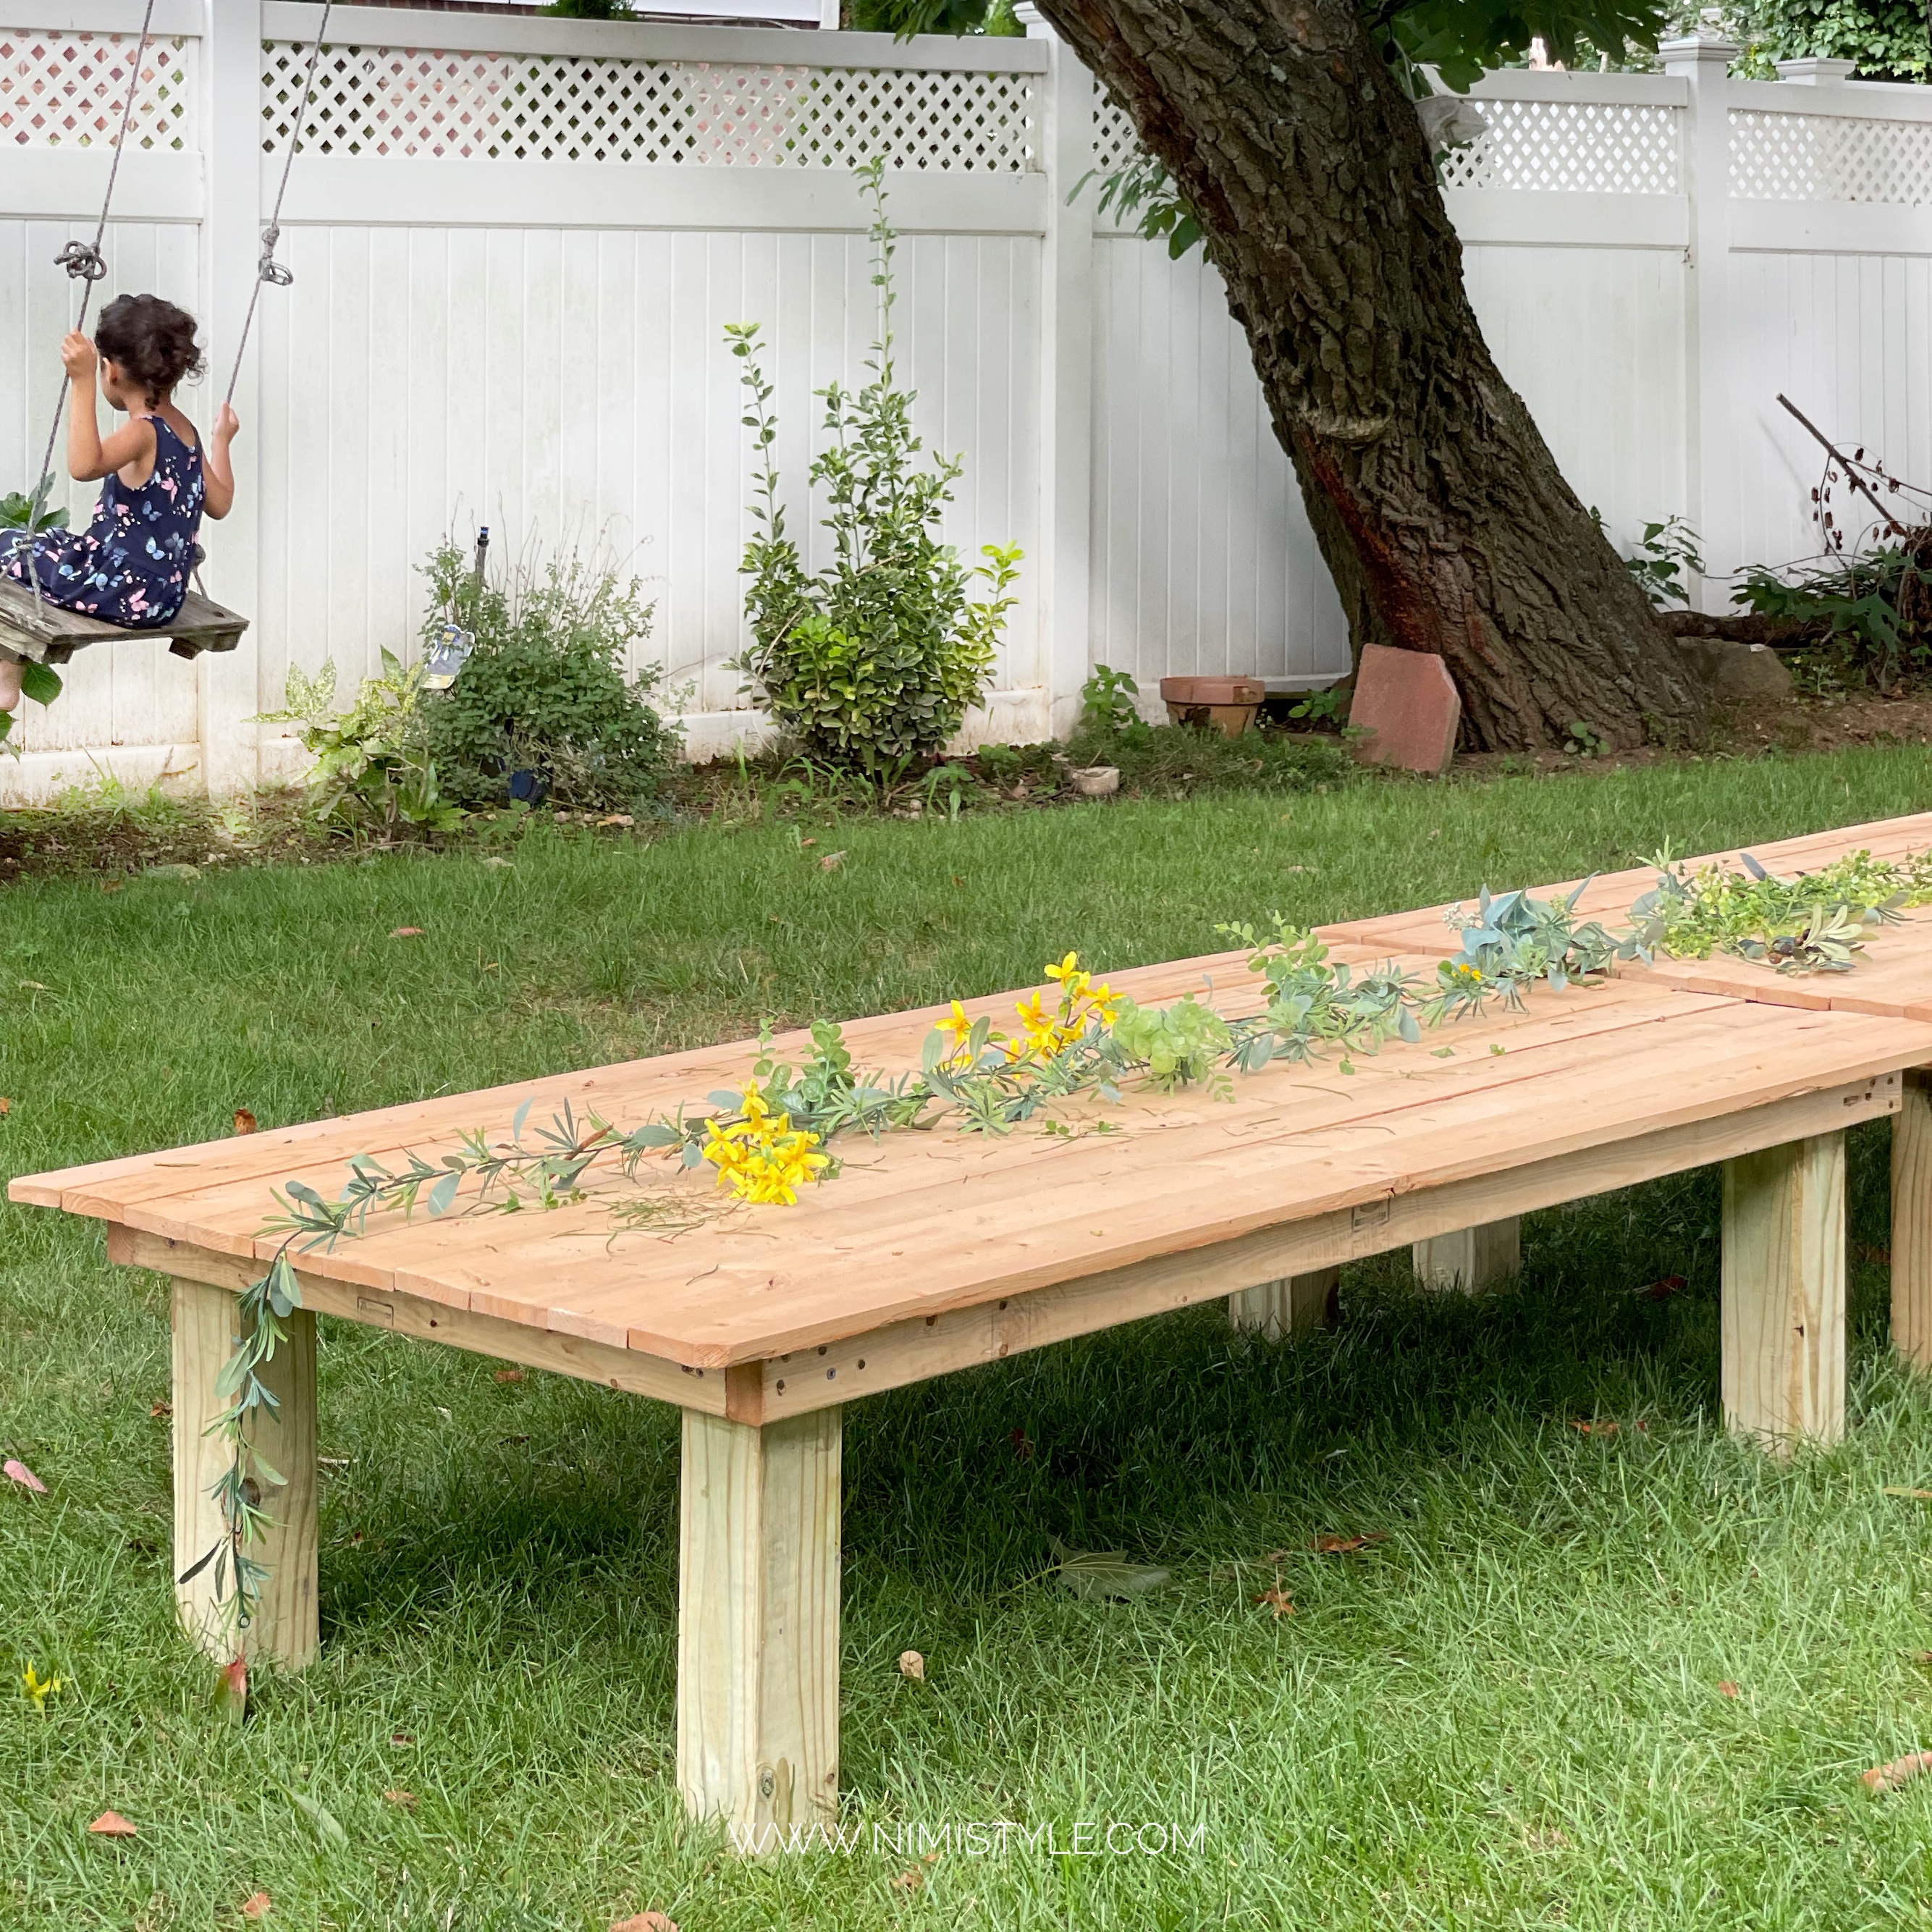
131, 565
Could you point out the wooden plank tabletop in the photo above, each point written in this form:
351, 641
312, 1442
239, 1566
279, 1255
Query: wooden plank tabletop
1610, 895
925, 1223
1893, 976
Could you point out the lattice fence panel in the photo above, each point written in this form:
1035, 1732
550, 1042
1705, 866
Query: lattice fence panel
1115, 141
1830, 158
498, 106
67, 90
1577, 146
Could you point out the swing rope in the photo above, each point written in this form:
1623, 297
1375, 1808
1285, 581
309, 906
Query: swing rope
268, 271
87, 264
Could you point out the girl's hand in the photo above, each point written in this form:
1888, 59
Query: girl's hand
227, 425
77, 356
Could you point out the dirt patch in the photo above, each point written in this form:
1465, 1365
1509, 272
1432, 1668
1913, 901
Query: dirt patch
1747, 729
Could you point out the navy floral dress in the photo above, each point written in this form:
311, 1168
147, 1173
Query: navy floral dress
131, 565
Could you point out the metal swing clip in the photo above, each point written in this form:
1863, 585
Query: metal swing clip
268, 269
83, 260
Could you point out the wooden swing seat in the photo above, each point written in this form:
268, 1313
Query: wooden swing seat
50, 635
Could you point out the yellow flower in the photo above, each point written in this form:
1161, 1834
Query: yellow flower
38, 1688
760, 1157
958, 1028
1065, 967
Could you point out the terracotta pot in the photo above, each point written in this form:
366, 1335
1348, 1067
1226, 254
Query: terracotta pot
1228, 703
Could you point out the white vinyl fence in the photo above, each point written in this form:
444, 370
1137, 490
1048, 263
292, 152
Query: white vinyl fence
517, 242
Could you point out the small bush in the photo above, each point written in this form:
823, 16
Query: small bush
373, 762
544, 689
873, 663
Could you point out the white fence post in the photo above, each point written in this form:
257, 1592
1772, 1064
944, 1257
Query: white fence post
229, 682
1065, 563
1703, 60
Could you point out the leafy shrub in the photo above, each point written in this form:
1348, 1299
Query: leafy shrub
1107, 701
30, 512
544, 689
1660, 559
1870, 612
1886, 37
373, 762
874, 662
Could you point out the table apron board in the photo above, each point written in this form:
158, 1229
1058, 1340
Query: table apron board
915, 1349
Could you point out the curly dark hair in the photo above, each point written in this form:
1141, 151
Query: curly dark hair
152, 341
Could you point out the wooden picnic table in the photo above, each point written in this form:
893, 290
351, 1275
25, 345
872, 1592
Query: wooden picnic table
935, 1251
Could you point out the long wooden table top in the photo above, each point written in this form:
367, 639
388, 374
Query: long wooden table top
925, 1223
1893, 976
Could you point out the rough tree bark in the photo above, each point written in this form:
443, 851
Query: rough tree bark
1438, 506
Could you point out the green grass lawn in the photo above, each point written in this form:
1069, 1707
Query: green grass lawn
1510, 1711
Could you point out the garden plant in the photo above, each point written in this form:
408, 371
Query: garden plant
875, 662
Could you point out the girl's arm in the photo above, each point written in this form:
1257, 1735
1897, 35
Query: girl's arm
218, 471
89, 458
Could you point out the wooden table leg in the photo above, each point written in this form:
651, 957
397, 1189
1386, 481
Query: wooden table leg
1911, 1219
1294, 1307
1472, 1259
284, 1629
758, 1623
1783, 1324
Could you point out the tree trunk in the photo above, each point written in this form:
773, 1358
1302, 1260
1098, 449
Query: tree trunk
1439, 510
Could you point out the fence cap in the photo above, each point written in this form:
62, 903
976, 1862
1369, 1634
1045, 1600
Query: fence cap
1815, 71
1701, 48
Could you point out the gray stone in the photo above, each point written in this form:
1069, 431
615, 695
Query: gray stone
1729, 669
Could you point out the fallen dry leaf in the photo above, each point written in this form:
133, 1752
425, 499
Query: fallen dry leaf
1728, 1689
112, 1825
1022, 1445
1863, 1251
909, 1881
6, 1106
1608, 1425
1278, 1601
1346, 1546
911, 1664
832, 861
407, 932
162, 1409
244, 1123
1917, 1495
401, 1739
1901, 1771
407, 1799
258, 1905
1662, 1291
509, 1375
645, 1922
231, 1690
24, 1476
